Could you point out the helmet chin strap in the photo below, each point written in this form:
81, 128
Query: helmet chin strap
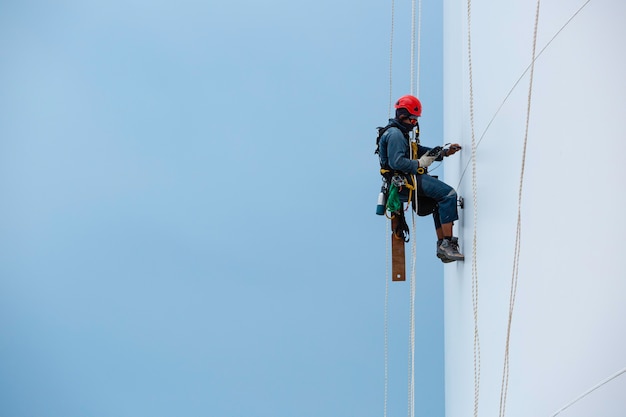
417, 132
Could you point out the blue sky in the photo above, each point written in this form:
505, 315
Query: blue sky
187, 217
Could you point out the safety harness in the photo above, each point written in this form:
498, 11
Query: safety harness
393, 182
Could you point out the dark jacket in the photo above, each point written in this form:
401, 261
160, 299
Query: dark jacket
395, 150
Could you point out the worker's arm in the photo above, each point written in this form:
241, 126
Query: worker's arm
398, 153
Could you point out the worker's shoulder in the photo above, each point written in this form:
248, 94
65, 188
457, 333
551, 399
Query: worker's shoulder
392, 131
395, 135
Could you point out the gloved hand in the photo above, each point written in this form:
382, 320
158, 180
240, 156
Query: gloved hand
426, 160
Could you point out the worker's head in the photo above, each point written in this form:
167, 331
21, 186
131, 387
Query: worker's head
411, 104
408, 109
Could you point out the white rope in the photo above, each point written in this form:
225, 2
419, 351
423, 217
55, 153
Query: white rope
393, 6
413, 29
516, 256
419, 47
387, 228
411, 382
414, 82
386, 319
517, 82
590, 390
475, 207
411, 408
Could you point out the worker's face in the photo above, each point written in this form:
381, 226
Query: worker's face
412, 120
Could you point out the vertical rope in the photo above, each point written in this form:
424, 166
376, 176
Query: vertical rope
514, 278
387, 269
411, 362
411, 359
411, 384
419, 47
475, 207
391, 58
387, 228
411, 366
413, 29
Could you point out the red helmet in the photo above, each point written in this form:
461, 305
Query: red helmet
411, 103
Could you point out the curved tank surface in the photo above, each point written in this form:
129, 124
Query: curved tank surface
568, 322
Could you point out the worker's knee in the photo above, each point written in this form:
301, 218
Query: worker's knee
447, 207
451, 194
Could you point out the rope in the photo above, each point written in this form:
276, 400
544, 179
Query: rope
386, 321
516, 256
475, 206
517, 82
411, 76
393, 7
589, 391
414, 81
419, 47
411, 399
411, 383
387, 224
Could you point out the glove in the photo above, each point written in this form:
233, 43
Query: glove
426, 160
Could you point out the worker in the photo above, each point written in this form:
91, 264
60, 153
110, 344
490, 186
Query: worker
394, 150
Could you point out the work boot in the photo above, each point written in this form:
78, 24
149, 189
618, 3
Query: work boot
440, 254
450, 250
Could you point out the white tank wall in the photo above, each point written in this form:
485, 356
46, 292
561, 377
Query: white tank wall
569, 323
